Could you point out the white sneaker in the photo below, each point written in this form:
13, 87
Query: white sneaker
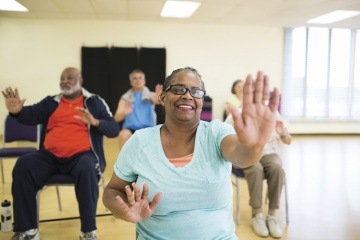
32, 234
259, 226
274, 228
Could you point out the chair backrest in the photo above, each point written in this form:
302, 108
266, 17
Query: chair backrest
206, 113
15, 131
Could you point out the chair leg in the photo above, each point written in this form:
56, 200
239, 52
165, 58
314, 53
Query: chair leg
103, 185
58, 196
286, 202
2, 171
267, 195
38, 207
102, 182
237, 202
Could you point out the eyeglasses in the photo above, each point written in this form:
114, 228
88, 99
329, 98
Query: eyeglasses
181, 90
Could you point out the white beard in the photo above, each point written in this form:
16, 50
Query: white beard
68, 90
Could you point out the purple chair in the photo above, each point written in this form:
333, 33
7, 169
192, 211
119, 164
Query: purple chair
16, 132
270, 100
239, 174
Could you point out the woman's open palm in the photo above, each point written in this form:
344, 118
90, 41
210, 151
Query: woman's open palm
139, 206
255, 124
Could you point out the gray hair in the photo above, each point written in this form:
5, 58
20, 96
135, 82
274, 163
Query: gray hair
136, 71
170, 79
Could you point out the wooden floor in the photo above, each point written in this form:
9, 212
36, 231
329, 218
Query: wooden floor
323, 179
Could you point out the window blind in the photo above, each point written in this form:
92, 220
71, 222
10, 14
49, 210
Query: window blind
321, 78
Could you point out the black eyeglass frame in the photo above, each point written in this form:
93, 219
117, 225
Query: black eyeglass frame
186, 89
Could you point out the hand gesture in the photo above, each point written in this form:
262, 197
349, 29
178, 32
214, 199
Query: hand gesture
128, 108
280, 128
255, 124
12, 100
155, 96
87, 117
139, 207
158, 89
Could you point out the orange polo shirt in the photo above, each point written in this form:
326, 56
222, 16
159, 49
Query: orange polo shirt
67, 135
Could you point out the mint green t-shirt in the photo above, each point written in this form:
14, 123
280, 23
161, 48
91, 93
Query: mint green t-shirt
197, 198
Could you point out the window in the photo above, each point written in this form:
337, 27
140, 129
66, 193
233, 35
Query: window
321, 74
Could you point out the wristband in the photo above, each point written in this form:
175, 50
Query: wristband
285, 136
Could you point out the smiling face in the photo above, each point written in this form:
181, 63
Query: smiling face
182, 108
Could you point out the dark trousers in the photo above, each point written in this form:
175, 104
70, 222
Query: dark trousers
30, 174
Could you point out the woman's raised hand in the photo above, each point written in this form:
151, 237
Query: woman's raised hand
255, 124
139, 206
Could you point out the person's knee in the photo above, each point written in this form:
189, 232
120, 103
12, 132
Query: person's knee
85, 165
22, 164
125, 134
256, 169
277, 168
275, 165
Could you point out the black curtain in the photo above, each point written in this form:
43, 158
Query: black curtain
106, 71
95, 70
122, 62
153, 63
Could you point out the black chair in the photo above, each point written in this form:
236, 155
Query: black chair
17, 132
239, 174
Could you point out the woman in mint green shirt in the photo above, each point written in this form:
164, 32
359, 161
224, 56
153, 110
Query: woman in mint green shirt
193, 201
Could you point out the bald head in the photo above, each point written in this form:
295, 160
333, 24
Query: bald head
72, 70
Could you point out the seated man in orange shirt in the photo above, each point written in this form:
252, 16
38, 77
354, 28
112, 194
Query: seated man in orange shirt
73, 125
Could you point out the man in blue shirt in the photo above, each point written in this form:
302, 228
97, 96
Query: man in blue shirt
136, 106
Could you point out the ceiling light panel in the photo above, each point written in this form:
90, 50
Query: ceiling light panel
179, 9
335, 16
12, 5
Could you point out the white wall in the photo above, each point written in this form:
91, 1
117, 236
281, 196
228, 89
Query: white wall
34, 52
